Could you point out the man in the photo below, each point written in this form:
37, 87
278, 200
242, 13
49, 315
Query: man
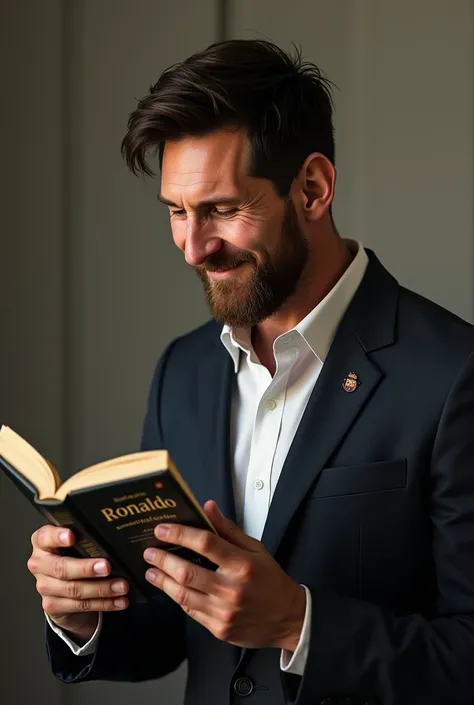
325, 411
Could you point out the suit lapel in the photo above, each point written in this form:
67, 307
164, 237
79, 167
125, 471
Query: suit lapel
216, 379
328, 415
367, 325
330, 412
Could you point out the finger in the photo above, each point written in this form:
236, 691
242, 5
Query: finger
80, 589
204, 542
189, 599
52, 538
205, 609
65, 568
185, 572
228, 530
60, 606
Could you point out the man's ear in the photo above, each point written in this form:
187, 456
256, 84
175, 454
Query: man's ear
316, 181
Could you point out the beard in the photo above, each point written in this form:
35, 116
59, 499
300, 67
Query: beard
244, 301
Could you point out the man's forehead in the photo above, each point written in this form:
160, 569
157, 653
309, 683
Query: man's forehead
199, 190
217, 157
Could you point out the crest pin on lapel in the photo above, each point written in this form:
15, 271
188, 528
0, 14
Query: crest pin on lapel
351, 382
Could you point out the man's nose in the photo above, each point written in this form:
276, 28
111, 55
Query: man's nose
199, 244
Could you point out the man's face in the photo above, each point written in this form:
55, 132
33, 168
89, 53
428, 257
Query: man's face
243, 240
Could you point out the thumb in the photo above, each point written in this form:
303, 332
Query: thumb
229, 530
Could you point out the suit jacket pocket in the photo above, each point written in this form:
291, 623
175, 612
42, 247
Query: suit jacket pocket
358, 479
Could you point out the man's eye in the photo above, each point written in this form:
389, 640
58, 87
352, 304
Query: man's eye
226, 214
223, 214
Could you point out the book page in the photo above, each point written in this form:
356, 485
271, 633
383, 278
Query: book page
121, 468
27, 461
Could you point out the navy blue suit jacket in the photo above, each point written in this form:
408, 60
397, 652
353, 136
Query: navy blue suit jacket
374, 512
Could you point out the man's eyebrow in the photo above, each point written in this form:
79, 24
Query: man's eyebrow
166, 201
217, 200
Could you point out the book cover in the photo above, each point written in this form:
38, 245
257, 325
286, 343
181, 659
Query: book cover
113, 509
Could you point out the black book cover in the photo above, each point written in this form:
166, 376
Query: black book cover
117, 521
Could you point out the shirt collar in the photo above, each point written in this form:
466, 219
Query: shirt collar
319, 327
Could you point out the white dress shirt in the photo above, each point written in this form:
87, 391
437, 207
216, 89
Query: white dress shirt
266, 412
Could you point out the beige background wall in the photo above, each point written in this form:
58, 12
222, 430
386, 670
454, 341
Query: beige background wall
92, 288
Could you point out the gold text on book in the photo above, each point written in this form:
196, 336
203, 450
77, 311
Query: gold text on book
149, 505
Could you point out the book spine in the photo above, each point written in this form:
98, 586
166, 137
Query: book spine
85, 546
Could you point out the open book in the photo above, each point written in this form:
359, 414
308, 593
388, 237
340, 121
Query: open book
112, 507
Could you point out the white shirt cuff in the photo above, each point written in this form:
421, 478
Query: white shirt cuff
295, 662
89, 648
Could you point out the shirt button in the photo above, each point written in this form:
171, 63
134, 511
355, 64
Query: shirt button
258, 484
271, 404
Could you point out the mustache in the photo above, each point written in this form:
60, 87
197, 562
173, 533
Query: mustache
219, 261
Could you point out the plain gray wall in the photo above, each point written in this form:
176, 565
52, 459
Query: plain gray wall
404, 127
92, 287
31, 348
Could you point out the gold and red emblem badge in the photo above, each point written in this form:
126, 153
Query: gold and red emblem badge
351, 382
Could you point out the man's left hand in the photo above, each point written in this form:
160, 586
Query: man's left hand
248, 601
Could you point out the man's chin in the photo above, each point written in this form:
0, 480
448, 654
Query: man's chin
230, 288
230, 307
241, 317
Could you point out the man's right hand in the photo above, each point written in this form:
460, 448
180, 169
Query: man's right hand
72, 598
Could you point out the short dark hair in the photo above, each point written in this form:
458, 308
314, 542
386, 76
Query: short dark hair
283, 102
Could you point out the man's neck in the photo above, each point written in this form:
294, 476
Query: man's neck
317, 281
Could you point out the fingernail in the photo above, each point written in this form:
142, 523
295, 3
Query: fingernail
100, 568
162, 530
64, 537
118, 586
149, 554
151, 575
120, 603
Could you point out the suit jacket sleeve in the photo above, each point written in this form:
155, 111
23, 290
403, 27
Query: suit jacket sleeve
130, 647
359, 650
